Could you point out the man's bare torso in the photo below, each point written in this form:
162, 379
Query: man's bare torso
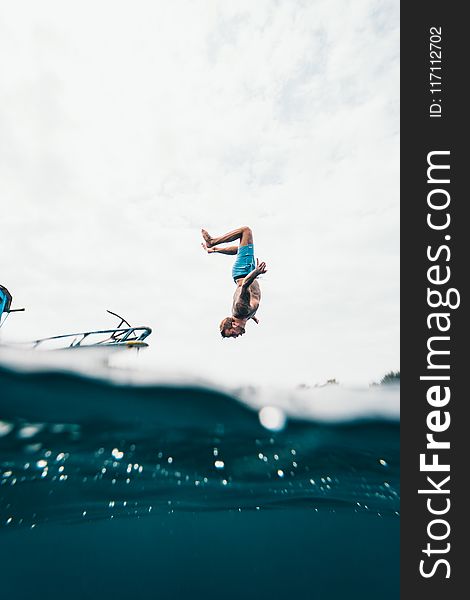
246, 301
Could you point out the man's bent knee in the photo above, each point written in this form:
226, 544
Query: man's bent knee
247, 236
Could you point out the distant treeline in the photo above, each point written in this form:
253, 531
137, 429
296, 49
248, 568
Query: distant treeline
392, 377
389, 378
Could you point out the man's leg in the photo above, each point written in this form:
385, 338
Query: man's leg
220, 249
244, 234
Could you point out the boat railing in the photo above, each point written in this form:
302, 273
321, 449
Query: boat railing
121, 336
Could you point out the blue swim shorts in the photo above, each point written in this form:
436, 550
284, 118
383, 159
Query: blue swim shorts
245, 262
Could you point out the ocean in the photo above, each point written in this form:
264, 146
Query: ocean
117, 489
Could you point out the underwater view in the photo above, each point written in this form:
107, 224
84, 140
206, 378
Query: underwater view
111, 488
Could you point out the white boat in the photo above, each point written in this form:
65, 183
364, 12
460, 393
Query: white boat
122, 336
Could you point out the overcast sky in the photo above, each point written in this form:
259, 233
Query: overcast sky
125, 127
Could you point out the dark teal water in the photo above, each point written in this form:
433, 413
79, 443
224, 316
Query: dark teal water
114, 491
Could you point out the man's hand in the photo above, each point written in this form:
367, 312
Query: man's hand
260, 267
258, 270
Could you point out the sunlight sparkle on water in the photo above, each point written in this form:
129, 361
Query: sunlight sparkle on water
5, 428
272, 418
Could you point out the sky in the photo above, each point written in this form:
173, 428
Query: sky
126, 127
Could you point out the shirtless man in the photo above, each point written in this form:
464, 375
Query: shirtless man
244, 272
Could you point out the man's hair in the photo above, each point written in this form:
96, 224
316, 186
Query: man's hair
225, 326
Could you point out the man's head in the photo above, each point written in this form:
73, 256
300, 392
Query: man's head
230, 328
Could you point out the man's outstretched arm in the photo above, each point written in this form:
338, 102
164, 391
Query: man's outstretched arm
245, 291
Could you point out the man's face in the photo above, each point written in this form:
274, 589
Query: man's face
235, 331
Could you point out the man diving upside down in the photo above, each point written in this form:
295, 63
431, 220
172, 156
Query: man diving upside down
244, 272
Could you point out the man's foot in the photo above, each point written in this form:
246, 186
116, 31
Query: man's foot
207, 248
207, 239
